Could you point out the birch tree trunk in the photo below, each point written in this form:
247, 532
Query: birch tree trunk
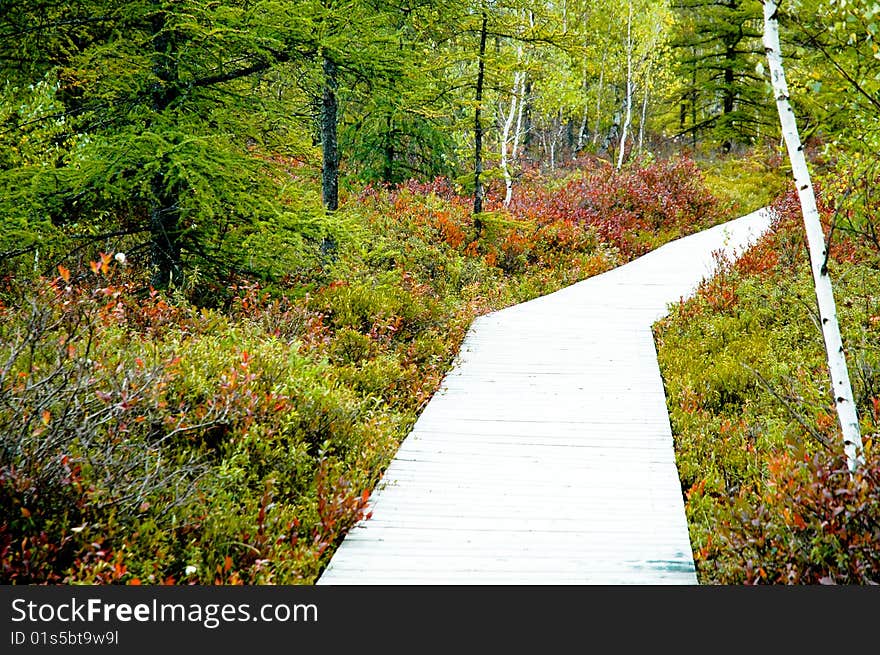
514, 151
629, 87
599, 100
505, 140
843, 395
582, 132
644, 108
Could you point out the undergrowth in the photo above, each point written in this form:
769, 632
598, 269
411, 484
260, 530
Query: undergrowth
768, 495
233, 434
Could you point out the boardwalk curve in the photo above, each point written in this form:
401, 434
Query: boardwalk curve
547, 455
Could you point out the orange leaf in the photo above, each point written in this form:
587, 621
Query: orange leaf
46, 416
135, 582
64, 273
227, 563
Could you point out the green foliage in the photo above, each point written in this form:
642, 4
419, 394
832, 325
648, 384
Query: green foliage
744, 184
720, 60
152, 120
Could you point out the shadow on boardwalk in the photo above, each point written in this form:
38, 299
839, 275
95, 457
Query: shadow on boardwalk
547, 456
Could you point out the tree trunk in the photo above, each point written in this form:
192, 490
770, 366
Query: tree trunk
569, 137
527, 134
629, 89
505, 140
582, 129
478, 128
329, 143
644, 109
514, 151
165, 235
389, 153
728, 94
599, 99
843, 396
165, 232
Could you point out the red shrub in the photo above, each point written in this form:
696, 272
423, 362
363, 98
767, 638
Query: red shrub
623, 206
815, 524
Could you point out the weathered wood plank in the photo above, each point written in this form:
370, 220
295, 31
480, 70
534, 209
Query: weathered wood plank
546, 457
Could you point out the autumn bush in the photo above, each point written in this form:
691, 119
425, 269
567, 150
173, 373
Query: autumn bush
137, 453
757, 442
633, 209
230, 431
813, 523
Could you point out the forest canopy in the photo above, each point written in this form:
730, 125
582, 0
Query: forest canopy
163, 128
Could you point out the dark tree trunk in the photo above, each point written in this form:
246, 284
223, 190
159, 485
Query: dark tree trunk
164, 235
729, 93
165, 231
329, 143
682, 114
388, 161
527, 117
569, 137
478, 129
731, 41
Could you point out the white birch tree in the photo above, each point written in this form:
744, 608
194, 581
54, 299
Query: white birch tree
629, 87
517, 133
599, 92
646, 92
841, 388
508, 153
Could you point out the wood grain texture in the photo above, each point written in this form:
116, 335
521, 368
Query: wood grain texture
547, 455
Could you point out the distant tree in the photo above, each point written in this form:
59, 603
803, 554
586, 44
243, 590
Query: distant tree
718, 46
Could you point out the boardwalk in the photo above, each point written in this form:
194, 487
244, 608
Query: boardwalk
547, 457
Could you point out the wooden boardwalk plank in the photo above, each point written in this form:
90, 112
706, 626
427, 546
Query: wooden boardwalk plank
547, 456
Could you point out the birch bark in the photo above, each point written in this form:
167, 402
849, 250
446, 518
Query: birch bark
843, 395
505, 139
514, 151
647, 86
629, 87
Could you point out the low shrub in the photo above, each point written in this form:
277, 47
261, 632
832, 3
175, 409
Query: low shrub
147, 438
810, 523
756, 434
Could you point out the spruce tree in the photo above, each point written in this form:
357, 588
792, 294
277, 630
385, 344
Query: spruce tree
719, 48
